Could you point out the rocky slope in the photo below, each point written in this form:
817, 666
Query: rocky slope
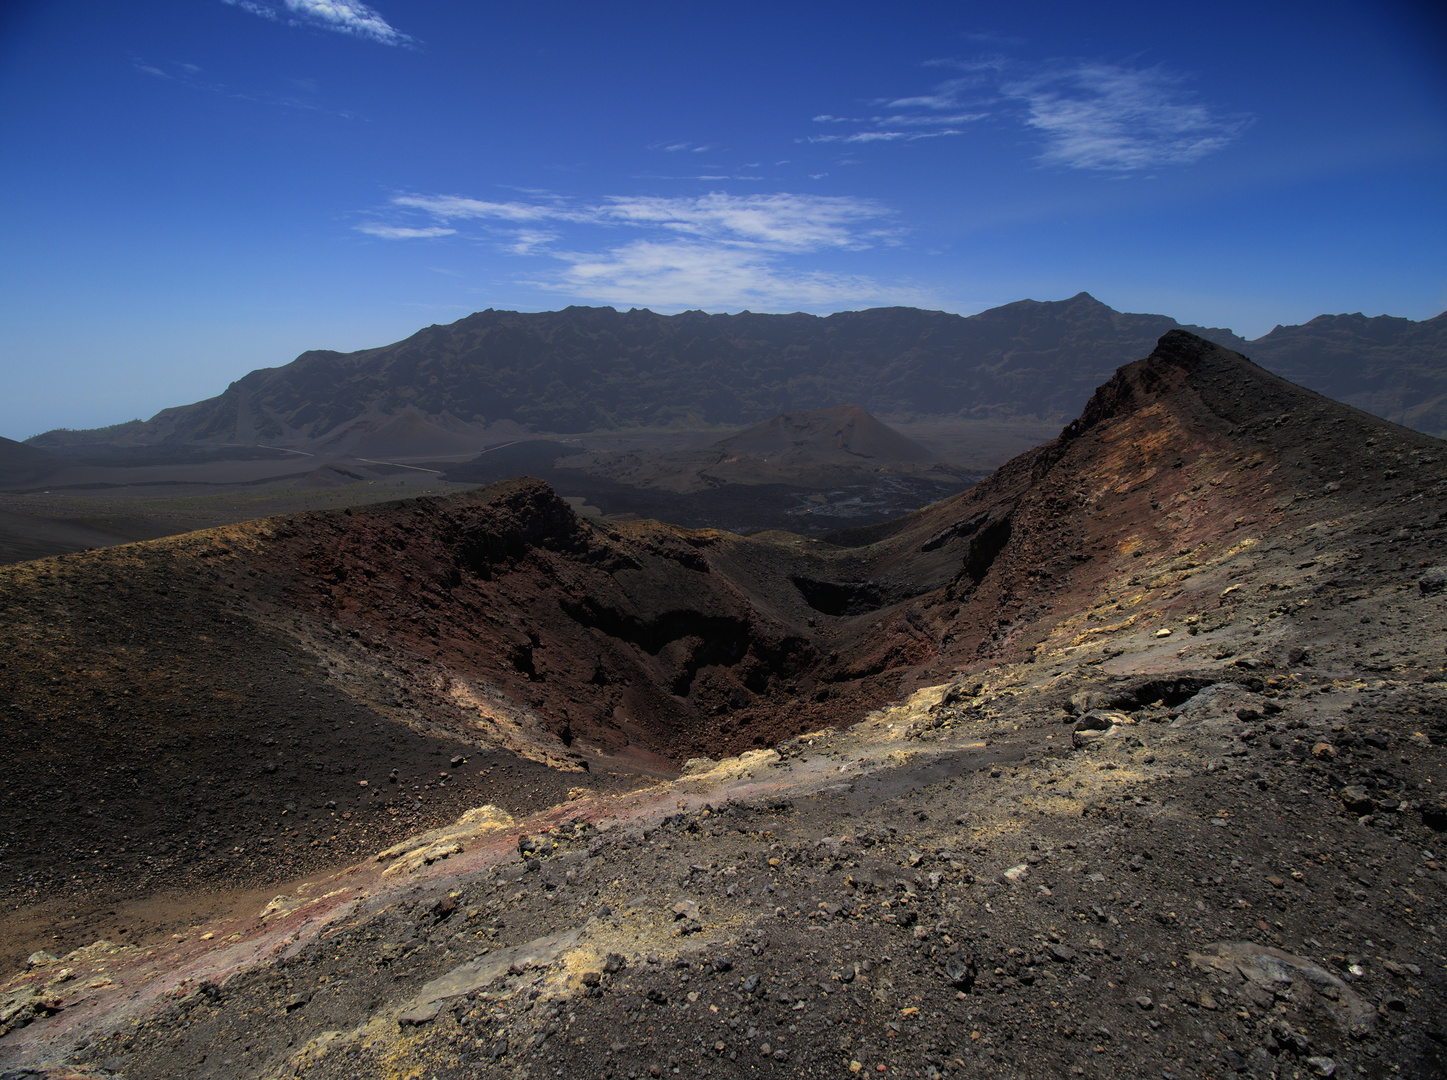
1153, 785
173, 701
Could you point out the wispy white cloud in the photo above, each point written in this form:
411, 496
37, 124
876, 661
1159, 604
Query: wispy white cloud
526, 241
781, 222
1108, 118
978, 68
191, 75
941, 110
924, 101
343, 16
947, 96
714, 251
266, 11
1091, 116
678, 274
682, 147
453, 207
881, 136
928, 121
402, 232
903, 119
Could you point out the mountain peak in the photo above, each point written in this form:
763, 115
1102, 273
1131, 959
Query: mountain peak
839, 429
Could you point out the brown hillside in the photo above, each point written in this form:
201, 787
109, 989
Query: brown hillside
1178, 460
170, 699
812, 454
205, 709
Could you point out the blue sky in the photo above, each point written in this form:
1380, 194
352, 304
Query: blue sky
197, 188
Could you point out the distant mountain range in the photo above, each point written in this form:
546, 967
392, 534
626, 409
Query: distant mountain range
583, 369
1395, 368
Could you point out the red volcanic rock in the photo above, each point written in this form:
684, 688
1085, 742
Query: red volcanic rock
205, 707
1175, 459
613, 635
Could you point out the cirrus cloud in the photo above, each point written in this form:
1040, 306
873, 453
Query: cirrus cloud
1090, 115
402, 232
343, 16
1115, 119
881, 136
781, 222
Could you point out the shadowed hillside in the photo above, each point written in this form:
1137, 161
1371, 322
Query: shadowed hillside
1395, 368
24, 464
584, 369
807, 472
845, 432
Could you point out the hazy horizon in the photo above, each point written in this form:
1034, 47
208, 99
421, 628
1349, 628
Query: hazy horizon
202, 188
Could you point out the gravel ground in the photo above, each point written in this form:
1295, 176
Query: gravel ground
1152, 783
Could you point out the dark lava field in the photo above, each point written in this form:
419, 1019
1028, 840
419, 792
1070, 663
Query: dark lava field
1128, 760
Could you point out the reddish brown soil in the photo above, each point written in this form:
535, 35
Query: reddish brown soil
175, 719
1184, 453
157, 737
615, 635
167, 701
170, 720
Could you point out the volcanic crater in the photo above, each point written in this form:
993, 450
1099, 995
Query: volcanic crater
1129, 756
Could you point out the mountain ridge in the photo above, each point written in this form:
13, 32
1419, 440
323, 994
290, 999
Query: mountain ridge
585, 368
